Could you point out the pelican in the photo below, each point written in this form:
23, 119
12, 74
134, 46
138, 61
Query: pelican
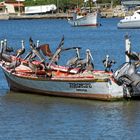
3, 56
22, 50
1, 49
6, 48
108, 63
13, 64
55, 57
133, 55
72, 62
35, 51
86, 63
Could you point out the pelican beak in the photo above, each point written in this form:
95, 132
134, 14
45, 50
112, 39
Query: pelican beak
90, 55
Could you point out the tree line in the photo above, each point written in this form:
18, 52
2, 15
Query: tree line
66, 3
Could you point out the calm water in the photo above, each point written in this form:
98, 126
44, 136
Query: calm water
34, 117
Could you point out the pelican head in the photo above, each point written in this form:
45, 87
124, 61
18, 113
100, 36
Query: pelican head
89, 53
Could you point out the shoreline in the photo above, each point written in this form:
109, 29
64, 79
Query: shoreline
44, 16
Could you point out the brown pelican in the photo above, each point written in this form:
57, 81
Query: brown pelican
13, 64
72, 62
56, 55
6, 48
35, 52
86, 63
108, 63
1, 49
22, 50
133, 55
3, 56
45, 50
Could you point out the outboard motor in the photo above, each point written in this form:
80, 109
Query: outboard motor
127, 75
129, 78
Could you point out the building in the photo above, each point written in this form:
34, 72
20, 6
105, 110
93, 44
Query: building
11, 7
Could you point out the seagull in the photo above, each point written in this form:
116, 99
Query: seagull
22, 50
108, 63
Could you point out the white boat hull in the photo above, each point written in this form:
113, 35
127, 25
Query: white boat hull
4, 16
130, 21
88, 20
129, 24
90, 88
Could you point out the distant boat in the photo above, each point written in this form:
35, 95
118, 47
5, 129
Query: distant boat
84, 16
89, 19
130, 21
4, 16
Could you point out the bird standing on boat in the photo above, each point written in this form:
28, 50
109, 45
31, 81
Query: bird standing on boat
6, 48
55, 57
35, 51
22, 50
133, 55
108, 63
72, 62
89, 64
1, 49
86, 63
3, 56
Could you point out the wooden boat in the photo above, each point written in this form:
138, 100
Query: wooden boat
89, 19
84, 17
51, 79
94, 85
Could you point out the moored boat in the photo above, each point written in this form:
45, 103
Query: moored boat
78, 79
89, 19
130, 21
4, 16
97, 85
84, 17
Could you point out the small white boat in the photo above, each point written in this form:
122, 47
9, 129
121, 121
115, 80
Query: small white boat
89, 19
130, 21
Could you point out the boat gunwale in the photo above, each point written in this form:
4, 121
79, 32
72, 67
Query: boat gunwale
59, 78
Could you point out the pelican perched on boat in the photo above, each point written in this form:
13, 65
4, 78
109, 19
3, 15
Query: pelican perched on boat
35, 51
108, 63
4, 56
133, 55
72, 62
22, 50
55, 57
86, 63
13, 64
1, 49
6, 48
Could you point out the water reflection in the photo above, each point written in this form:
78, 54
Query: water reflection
29, 116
